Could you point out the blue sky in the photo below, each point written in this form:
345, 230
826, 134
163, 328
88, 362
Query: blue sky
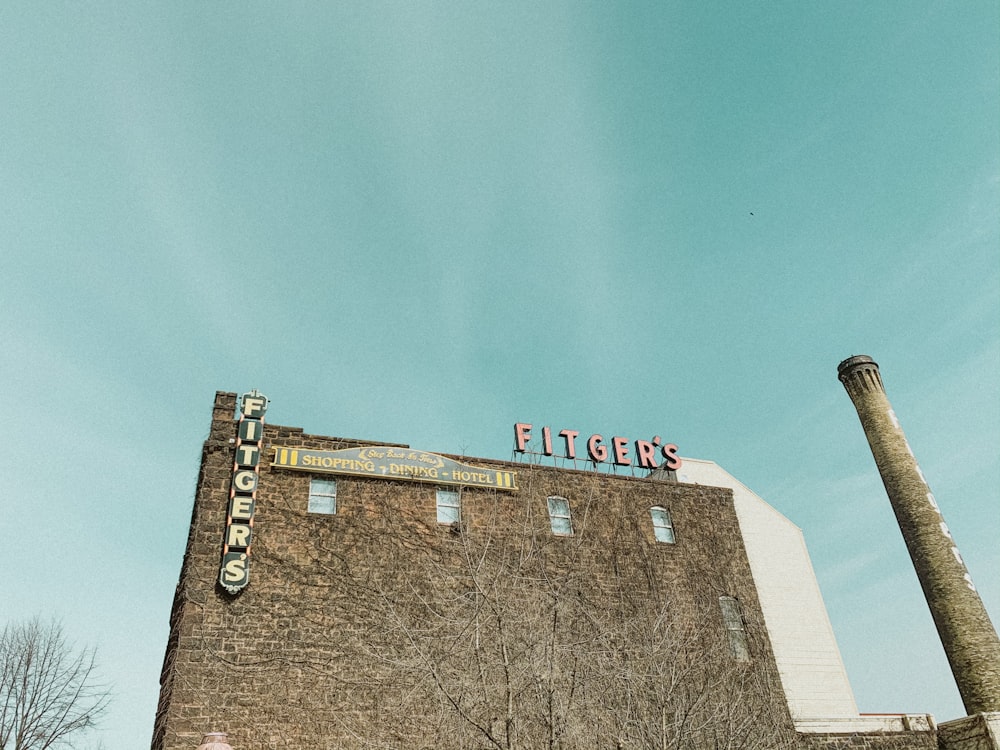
424, 222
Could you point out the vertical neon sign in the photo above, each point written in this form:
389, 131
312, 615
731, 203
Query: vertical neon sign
234, 573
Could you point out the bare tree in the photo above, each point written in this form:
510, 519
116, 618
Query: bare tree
48, 691
524, 653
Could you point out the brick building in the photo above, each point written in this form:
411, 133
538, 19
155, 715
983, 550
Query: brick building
396, 598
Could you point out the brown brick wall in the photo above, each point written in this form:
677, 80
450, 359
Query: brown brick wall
379, 628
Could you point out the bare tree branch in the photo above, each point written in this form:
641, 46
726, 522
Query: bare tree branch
48, 692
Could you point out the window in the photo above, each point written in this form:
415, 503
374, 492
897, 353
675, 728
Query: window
323, 496
562, 524
449, 506
732, 618
663, 526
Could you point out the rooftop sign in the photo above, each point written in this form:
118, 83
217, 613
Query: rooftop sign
598, 451
393, 463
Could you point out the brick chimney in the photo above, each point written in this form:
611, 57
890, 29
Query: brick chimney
963, 625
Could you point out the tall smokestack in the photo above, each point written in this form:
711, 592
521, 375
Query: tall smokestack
969, 639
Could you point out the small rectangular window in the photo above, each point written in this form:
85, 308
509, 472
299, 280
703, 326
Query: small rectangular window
562, 523
323, 496
663, 525
732, 617
449, 506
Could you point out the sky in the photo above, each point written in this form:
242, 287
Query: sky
423, 222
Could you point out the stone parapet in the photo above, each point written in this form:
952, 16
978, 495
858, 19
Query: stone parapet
868, 723
869, 732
